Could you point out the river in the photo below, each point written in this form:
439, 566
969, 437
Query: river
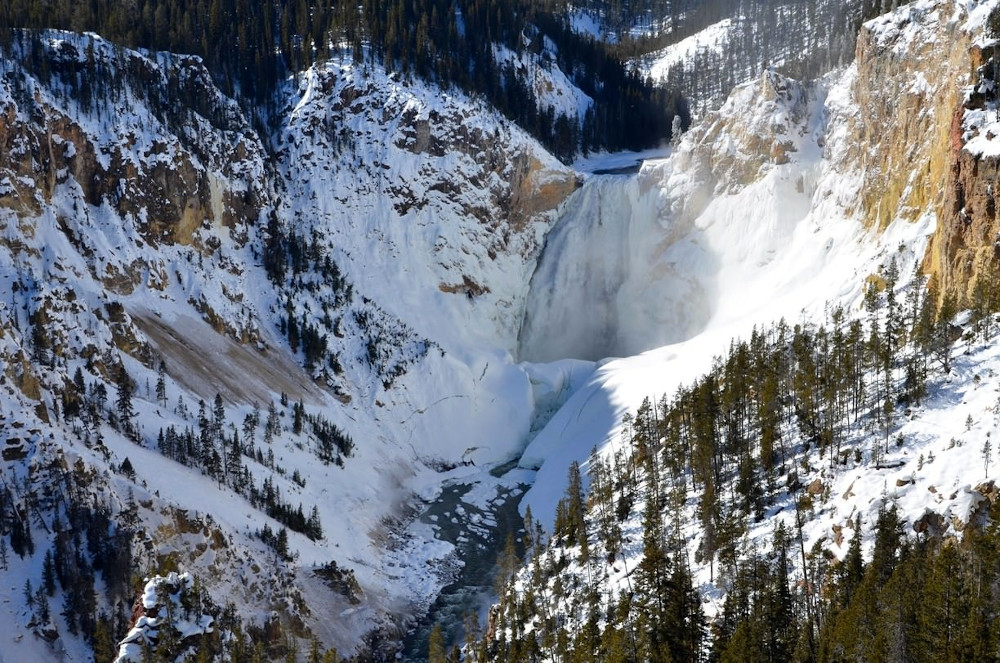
478, 534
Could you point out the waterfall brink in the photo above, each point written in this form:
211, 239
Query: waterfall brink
611, 280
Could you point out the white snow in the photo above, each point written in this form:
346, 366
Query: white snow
712, 37
614, 161
691, 251
550, 85
585, 22
162, 597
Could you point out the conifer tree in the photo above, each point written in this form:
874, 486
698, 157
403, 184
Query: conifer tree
436, 645
218, 417
124, 400
161, 384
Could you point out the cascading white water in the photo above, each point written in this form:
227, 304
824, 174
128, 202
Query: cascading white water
612, 279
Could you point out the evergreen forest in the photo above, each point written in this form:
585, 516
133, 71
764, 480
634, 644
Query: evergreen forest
251, 47
726, 452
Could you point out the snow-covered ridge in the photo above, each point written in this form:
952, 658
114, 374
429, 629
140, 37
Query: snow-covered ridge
550, 85
712, 38
165, 611
797, 208
637, 262
457, 199
431, 211
751, 222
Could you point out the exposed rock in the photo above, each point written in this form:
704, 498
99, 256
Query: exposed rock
838, 535
21, 371
125, 335
964, 250
735, 147
990, 491
468, 286
930, 523
908, 89
910, 143
536, 189
14, 449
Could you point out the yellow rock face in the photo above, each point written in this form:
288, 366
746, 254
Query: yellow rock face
537, 190
908, 142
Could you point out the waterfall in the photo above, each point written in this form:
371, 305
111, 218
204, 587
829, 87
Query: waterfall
613, 279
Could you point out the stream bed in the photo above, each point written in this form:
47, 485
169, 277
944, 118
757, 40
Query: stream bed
478, 533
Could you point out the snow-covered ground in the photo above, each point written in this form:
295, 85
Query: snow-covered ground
433, 208
618, 161
782, 237
785, 244
712, 38
745, 222
550, 85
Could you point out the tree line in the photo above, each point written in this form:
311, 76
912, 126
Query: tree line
252, 47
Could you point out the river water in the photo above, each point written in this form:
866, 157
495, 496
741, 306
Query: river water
478, 534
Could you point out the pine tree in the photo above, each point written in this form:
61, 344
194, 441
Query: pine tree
943, 606
218, 417
49, 574
123, 403
298, 415
852, 568
127, 469
281, 543
161, 384
575, 512
103, 645
986, 450
436, 645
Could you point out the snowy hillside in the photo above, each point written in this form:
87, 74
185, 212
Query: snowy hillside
752, 223
763, 213
713, 47
284, 385
269, 354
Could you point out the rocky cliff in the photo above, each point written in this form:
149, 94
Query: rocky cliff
923, 87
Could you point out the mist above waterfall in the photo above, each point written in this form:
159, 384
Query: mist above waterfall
612, 280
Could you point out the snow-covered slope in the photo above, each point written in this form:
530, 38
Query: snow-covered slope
713, 48
366, 282
359, 284
427, 196
753, 223
765, 207
637, 262
785, 211
712, 38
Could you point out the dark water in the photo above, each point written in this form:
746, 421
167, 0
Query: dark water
478, 543
621, 170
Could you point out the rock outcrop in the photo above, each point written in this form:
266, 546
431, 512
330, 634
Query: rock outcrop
911, 136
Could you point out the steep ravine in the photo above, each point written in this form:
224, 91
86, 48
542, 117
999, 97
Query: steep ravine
440, 244
604, 286
479, 536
